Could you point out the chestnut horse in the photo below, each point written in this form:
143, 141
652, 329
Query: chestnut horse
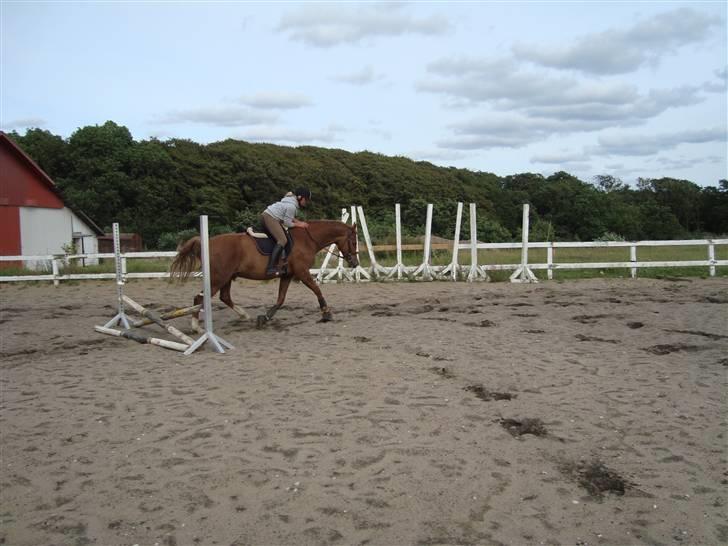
235, 255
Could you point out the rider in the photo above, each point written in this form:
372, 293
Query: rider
280, 214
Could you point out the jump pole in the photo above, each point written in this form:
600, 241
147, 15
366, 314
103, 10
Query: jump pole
141, 338
454, 267
374, 268
339, 271
216, 341
358, 271
121, 315
157, 319
476, 271
524, 273
176, 313
332, 247
399, 267
426, 267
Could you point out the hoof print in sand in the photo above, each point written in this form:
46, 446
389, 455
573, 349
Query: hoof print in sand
528, 425
597, 479
484, 394
447, 373
671, 348
482, 324
635, 325
582, 337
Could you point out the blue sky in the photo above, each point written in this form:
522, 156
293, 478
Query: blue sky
631, 89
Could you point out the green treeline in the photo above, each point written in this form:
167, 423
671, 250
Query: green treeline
160, 188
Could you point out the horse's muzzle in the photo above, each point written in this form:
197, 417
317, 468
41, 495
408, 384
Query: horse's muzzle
352, 260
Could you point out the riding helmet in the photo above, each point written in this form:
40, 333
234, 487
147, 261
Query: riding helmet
303, 192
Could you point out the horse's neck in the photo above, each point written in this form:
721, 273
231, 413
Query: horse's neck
324, 232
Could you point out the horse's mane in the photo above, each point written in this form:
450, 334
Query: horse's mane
324, 221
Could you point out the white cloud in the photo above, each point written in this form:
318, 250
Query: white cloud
276, 100
621, 51
720, 85
561, 157
361, 77
687, 162
327, 25
24, 123
642, 145
286, 135
438, 156
505, 86
222, 116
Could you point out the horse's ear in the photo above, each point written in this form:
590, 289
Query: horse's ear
353, 226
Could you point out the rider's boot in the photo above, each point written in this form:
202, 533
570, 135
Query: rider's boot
272, 269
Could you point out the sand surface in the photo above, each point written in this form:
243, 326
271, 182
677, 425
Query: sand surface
397, 423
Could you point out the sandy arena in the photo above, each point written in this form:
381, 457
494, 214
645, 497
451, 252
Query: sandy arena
583, 412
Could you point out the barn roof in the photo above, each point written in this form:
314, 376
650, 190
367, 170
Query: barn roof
46, 180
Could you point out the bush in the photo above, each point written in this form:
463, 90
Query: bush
170, 241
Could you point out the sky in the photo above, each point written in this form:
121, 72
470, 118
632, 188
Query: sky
627, 89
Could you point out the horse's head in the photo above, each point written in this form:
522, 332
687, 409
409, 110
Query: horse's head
347, 246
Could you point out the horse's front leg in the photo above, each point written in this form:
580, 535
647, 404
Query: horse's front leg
283, 285
309, 281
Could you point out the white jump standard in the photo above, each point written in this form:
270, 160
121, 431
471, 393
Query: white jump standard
121, 315
208, 335
524, 273
188, 345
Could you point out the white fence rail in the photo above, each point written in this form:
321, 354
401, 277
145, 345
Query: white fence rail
423, 271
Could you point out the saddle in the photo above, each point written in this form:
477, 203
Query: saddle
265, 243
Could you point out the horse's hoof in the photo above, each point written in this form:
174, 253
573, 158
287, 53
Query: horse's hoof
261, 320
326, 317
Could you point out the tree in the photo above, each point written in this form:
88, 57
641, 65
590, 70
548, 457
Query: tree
49, 151
608, 183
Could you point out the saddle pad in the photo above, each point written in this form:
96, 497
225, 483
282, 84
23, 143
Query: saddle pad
265, 243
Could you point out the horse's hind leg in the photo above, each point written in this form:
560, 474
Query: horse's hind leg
199, 300
227, 300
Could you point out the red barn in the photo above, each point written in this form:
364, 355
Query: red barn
34, 220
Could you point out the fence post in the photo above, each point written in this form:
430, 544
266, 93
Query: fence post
633, 259
550, 260
711, 257
475, 270
524, 273
56, 272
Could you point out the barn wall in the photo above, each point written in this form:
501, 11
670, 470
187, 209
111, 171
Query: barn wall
10, 230
20, 185
47, 231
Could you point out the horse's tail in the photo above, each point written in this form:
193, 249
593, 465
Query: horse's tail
187, 259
